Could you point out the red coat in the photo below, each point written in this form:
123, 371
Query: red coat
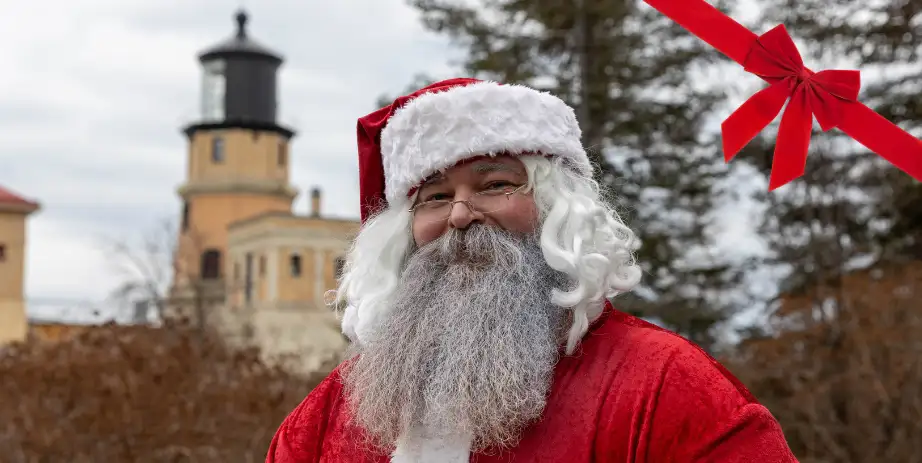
632, 393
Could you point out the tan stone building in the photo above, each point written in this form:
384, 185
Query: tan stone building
245, 260
14, 213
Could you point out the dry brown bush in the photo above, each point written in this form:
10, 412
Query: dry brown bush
141, 394
844, 373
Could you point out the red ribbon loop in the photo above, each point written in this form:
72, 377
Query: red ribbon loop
831, 96
775, 58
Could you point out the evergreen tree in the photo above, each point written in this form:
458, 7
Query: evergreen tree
843, 349
635, 77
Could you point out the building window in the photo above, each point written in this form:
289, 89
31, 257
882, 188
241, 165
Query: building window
295, 266
2, 253
217, 150
211, 264
262, 266
248, 284
282, 154
338, 266
214, 88
185, 216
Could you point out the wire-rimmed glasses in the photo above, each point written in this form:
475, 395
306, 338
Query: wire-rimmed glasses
486, 202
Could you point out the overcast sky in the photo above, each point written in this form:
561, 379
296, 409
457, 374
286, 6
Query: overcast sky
96, 92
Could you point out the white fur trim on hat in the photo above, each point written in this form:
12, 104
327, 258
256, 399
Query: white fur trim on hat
435, 131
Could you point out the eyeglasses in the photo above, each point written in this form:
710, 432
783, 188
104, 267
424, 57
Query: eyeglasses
485, 202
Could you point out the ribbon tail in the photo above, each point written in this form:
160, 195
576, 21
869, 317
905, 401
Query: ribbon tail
882, 137
793, 144
709, 24
751, 117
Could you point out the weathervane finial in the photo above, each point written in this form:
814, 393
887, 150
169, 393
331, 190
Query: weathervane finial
241, 23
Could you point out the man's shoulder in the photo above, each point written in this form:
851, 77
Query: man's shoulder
620, 331
302, 434
635, 345
322, 396
317, 406
690, 407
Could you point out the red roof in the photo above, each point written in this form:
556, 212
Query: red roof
8, 197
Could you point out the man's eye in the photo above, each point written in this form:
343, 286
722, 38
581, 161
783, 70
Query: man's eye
499, 185
436, 197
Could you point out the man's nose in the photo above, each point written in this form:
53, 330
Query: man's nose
462, 215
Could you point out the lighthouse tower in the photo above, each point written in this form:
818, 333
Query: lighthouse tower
238, 162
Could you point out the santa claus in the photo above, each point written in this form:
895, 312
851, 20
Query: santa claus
477, 295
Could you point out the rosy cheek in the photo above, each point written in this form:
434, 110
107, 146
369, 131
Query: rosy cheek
531, 211
522, 217
529, 220
425, 233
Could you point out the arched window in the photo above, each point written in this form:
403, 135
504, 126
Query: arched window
295, 265
211, 264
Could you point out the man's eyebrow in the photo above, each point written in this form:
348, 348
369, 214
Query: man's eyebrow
480, 168
488, 167
434, 179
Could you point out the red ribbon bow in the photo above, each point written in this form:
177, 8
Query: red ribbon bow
831, 96
775, 58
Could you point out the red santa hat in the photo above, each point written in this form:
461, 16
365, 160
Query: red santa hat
454, 120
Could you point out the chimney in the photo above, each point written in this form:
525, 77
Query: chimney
315, 202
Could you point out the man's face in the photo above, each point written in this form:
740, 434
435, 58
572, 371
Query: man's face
476, 182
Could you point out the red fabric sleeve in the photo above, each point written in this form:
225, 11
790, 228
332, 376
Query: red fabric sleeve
300, 437
704, 414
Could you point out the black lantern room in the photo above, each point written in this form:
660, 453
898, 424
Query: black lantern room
239, 85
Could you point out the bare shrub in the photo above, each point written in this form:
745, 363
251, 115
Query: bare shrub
141, 394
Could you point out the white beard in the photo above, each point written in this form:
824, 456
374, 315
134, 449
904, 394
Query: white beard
465, 360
